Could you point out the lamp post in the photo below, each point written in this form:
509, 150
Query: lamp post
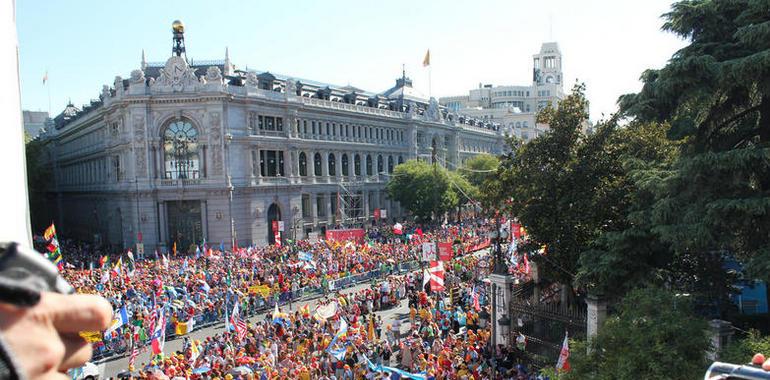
295, 220
497, 236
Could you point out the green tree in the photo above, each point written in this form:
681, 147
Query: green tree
480, 168
421, 188
715, 93
742, 350
564, 186
654, 335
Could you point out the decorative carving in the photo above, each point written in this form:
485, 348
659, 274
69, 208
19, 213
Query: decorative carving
141, 167
433, 113
213, 74
139, 129
137, 77
106, 92
176, 75
118, 84
251, 80
291, 87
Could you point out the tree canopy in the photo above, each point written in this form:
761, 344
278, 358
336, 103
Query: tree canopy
715, 93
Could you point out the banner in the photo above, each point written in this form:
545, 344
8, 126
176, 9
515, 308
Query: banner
428, 251
183, 328
354, 234
262, 290
445, 251
91, 336
312, 237
376, 214
383, 213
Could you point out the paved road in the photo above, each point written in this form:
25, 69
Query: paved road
112, 367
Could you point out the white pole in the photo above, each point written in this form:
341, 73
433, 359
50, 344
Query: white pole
15, 225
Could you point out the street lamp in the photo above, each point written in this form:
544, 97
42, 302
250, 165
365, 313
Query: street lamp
498, 236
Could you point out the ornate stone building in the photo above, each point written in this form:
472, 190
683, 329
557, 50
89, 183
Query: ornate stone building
189, 151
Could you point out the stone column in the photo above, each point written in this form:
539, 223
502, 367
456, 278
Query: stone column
500, 296
596, 315
338, 166
721, 334
163, 226
325, 165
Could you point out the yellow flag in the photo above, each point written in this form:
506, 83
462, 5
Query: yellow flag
426, 61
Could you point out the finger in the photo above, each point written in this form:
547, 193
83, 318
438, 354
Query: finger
77, 312
76, 352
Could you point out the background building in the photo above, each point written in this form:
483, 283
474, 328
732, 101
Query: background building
34, 122
183, 151
516, 107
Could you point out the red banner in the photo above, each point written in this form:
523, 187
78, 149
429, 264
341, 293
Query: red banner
376, 214
445, 251
516, 230
355, 234
275, 226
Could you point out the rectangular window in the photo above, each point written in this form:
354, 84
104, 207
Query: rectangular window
271, 163
261, 122
254, 164
279, 124
313, 125
304, 126
333, 199
116, 168
320, 206
327, 129
306, 207
269, 123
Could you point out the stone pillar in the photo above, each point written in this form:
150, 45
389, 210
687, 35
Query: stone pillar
163, 226
721, 334
325, 165
500, 296
596, 315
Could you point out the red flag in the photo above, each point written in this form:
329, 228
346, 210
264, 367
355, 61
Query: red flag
526, 264
563, 364
436, 276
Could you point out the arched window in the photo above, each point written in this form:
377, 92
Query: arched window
380, 164
357, 165
369, 164
302, 164
332, 164
400, 160
345, 166
317, 165
180, 150
390, 164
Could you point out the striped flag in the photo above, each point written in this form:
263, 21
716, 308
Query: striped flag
238, 323
54, 252
134, 352
437, 276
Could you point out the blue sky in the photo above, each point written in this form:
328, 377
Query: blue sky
85, 44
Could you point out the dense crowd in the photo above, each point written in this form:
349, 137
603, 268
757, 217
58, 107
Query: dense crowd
443, 338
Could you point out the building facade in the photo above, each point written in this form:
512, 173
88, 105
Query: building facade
515, 107
35, 122
185, 152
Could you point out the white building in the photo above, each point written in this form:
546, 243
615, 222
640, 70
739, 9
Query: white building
185, 151
516, 107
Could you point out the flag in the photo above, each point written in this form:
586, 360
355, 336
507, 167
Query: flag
475, 298
398, 229
238, 323
370, 333
521, 342
103, 261
426, 60
159, 333
120, 319
134, 354
130, 255
54, 252
437, 276
194, 352
425, 277
563, 364
165, 261
173, 249
118, 267
45, 77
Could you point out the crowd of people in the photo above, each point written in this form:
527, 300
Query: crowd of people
443, 338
